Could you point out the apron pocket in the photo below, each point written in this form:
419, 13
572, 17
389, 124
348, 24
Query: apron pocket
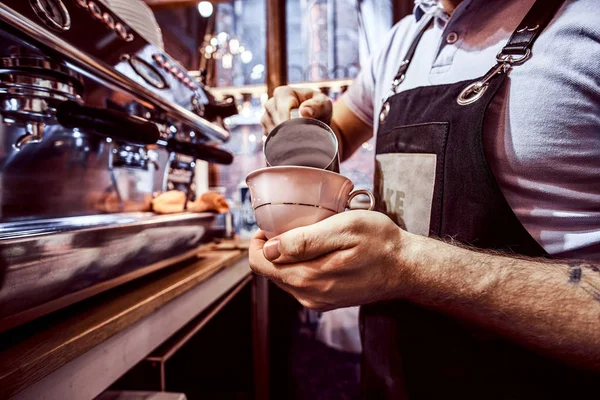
409, 176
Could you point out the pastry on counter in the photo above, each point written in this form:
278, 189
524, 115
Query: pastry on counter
172, 202
109, 202
209, 201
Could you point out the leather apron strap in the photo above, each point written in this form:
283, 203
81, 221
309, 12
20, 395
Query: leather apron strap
516, 51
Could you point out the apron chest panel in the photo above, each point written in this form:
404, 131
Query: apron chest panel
408, 166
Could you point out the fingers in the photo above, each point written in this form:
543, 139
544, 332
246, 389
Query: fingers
258, 262
312, 104
266, 120
278, 107
310, 242
311, 283
285, 275
303, 94
319, 107
277, 110
259, 235
285, 99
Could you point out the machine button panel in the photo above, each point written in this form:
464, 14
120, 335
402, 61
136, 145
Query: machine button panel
109, 20
177, 73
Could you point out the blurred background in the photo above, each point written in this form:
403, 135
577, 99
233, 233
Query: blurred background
325, 44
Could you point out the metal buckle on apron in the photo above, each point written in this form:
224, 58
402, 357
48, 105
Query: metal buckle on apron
385, 110
398, 79
475, 90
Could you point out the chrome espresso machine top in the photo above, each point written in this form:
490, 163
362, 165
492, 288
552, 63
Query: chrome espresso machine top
95, 120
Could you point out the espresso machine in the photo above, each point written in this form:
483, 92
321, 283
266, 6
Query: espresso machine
95, 120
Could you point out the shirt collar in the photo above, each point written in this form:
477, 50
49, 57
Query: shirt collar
430, 7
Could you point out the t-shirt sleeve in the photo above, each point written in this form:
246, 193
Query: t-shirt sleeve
360, 96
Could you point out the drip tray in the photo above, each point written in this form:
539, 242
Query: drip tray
51, 263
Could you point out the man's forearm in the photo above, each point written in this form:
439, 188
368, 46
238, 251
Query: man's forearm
554, 307
349, 129
338, 133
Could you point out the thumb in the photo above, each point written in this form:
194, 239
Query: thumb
306, 243
319, 106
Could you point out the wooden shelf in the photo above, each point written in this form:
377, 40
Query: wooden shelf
33, 351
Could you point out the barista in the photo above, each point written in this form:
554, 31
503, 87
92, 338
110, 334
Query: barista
481, 277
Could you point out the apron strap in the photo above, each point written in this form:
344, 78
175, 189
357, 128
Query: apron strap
401, 74
522, 39
516, 51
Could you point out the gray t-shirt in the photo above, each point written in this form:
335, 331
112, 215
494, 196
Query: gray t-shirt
542, 131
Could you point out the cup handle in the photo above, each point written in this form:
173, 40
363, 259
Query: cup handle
366, 193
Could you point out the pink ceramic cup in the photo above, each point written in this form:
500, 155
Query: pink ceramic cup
289, 197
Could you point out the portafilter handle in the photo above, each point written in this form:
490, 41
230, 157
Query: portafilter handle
223, 109
198, 151
114, 124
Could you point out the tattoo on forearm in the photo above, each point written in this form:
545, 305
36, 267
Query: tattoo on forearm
574, 274
591, 285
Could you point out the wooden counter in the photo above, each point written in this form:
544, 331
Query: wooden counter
79, 351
